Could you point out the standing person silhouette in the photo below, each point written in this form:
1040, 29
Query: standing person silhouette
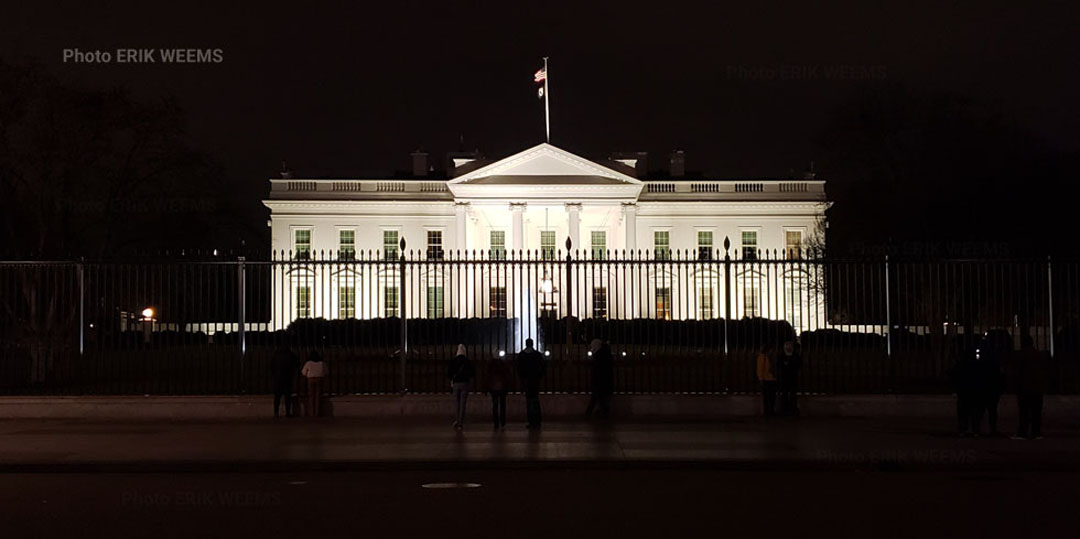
790, 363
499, 375
767, 377
461, 373
1032, 377
283, 366
531, 368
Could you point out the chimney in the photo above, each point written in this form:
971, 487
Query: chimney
285, 172
810, 174
678, 164
419, 163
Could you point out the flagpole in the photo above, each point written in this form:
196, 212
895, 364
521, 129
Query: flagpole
547, 112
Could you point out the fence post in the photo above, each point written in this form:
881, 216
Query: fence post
727, 290
569, 293
241, 297
82, 305
888, 313
402, 303
1050, 300
241, 277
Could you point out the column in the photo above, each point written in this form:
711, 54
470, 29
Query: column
517, 231
459, 226
574, 209
630, 224
629, 302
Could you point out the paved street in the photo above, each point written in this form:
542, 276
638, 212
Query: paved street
750, 477
328, 444
542, 503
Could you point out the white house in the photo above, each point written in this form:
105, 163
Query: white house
532, 202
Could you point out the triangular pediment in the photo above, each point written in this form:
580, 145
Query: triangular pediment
548, 165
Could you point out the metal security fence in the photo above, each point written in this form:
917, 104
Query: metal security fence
677, 321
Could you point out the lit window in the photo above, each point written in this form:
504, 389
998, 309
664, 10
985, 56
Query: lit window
346, 302
498, 302
390, 244
793, 297
302, 243
303, 302
751, 297
705, 302
663, 303
498, 245
434, 245
435, 302
390, 301
346, 244
547, 244
793, 244
704, 245
599, 302
662, 244
749, 245
599, 244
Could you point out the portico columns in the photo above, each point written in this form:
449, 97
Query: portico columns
517, 230
459, 225
630, 224
574, 209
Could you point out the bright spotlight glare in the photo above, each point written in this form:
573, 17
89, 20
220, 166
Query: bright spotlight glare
148, 312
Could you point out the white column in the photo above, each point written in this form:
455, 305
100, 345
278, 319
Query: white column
459, 224
630, 225
574, 209
517, 231
629, 302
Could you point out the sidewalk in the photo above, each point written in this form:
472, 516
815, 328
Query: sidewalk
893, 444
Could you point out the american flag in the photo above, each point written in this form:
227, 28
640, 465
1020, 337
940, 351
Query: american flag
540, 76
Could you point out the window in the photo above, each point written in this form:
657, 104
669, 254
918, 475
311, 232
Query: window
749, 245
434, 245
704, 245
599, 302
498, 245
793, 298
346, 244
435, 302
793, 244
390, 301
662, 245
705, 302
599, 244
751, 299
390, 244
302, 243
663, 303
346, 302
547, 244
303, 302
498, 302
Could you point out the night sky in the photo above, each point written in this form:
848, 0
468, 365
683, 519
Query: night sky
747, 90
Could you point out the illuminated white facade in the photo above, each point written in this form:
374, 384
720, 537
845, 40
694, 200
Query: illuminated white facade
532, 202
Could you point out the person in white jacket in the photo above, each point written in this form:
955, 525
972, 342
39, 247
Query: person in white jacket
314, 370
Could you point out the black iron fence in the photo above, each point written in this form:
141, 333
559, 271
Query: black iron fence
677, 322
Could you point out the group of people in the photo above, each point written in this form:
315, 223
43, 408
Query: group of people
980, 381
530, 368
778, 374
283, 367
